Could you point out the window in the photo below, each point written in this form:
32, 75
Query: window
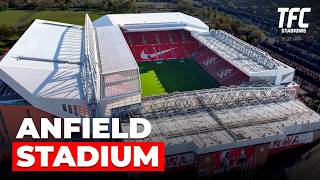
120, 83
64, 107
75, 110
70, 109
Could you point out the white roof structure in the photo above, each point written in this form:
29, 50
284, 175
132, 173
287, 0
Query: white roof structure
115, 54
44, 66
152, 22
217, 119
54, 65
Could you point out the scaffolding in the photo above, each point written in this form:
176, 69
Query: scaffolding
219, 116
246, 56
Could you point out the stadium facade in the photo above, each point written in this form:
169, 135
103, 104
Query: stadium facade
64, 70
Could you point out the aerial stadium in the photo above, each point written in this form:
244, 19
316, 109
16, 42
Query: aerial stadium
217, 102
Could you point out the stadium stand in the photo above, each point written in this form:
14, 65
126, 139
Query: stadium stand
136, 38
222, 61
222, 71
176, 36
161, 45
164, 37
150, 37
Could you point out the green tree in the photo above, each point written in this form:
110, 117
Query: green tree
226, 27
5, 31
3, 5
185, 5
61, 4
17, 3
256, 35
243, 38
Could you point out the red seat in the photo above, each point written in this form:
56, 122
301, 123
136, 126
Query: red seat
156, 45
219, 68
150, 37
164, 37
176, 36
188, 37
136, 38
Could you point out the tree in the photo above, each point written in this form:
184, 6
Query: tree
91, 4
185, 5
226, 27
17, 3
132, 5
256, 35
61, 4
119, 6
5, 31
243, 38
3, 5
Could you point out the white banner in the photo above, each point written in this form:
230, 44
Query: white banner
292, 140
180, 160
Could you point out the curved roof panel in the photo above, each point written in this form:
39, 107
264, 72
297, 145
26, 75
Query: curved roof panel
45, 64
151, 20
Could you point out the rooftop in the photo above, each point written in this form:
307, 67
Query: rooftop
114, 52
151, 20
217, 117
49, 54
241, 54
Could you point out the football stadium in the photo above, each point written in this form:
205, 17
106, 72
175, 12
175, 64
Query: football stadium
219, 103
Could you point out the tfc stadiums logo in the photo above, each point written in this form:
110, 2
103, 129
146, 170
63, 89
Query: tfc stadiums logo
291, 17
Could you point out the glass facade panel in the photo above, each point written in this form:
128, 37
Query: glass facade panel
120, 83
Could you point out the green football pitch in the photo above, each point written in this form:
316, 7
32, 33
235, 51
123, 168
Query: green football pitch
161, 77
